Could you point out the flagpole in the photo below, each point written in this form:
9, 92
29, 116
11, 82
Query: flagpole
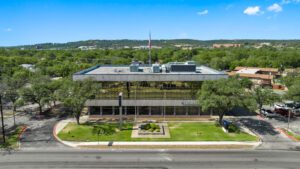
149, 48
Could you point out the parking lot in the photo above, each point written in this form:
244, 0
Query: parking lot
280, 121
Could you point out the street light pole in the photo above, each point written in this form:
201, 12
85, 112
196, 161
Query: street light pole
164, 110
2, 119
135, 111
120, 110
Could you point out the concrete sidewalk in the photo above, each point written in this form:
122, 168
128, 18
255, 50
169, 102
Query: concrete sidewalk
61, 124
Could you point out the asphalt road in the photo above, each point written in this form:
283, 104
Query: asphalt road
151, 160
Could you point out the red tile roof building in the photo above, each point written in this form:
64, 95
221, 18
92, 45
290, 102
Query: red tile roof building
259, 76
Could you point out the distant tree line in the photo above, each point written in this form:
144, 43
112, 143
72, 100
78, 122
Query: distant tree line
165, 43
63, 63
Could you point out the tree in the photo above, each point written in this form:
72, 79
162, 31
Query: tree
38, 92
289, 80
247, 83
264, 96
13, 84
222, 96
294, 91
74, 94
54, 87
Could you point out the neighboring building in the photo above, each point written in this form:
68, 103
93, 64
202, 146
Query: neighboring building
259, 76
156, 90
29, 67
226, 45
260, 45
146, 47
87, 47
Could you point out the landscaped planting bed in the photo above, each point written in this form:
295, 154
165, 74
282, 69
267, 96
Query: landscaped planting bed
179, 131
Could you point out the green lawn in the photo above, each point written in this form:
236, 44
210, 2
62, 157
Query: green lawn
179, 131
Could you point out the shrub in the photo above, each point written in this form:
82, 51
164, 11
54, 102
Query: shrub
233, 128
150, 127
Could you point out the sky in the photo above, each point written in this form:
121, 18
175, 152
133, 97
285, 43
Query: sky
57, 21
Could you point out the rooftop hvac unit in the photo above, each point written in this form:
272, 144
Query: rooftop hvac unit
183, 68
156, 68
134, 68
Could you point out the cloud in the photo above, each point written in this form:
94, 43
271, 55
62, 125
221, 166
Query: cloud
7, 30
201, 13
283, 2
253, 10
275, 8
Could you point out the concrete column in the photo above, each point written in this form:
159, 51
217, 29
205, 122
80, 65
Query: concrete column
137, 110
149, 111
101, 110
113, 110
186, 110
125, 110
199, 111
174, 110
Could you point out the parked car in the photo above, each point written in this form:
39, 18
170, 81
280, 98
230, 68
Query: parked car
296, 112
294, 107
290, 105
279, 106
268, 113
284, 112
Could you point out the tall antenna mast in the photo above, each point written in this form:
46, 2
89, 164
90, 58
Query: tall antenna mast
149, 46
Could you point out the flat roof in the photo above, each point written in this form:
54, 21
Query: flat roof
123, 73
100, 70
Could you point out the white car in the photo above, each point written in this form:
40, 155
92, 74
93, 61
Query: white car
279, 106
268, 113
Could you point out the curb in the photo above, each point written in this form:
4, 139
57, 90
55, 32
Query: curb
24, 128
57, 138
282, 130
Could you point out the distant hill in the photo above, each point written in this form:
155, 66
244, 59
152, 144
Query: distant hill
125, 43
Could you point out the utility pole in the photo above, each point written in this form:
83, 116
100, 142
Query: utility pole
2, 119
164, 110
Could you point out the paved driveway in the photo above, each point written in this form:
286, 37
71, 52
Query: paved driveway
270, 135
39, 135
